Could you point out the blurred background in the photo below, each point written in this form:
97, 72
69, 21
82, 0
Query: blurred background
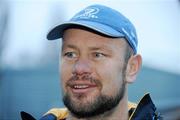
29, 73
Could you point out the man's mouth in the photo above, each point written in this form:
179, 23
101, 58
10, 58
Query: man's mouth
82, 88
83, 84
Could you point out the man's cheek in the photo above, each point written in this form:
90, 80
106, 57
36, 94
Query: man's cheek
63, 80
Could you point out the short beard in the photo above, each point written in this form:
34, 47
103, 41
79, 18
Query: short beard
100, 105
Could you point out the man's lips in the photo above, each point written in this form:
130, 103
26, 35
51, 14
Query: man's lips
81, 87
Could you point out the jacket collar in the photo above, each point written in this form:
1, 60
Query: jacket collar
144, 110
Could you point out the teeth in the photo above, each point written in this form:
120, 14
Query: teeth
80, 86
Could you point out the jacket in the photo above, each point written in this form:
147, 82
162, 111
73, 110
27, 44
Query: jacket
144, 110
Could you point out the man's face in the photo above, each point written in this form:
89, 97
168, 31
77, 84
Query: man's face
92, 72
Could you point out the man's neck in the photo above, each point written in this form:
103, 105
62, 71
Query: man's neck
119, 112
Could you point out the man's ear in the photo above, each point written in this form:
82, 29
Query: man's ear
133, 66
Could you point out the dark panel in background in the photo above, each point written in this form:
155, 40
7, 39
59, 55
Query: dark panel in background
37, 90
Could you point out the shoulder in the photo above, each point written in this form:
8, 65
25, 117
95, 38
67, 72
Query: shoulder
58, 113
144, 109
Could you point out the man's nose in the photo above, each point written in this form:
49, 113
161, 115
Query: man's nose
82, 67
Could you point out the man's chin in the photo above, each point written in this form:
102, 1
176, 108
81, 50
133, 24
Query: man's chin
90, 107
79, 105
81, 101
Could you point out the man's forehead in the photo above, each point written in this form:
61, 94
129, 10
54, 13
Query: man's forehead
88, 34
94, 46
111, 46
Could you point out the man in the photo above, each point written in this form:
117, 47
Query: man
98, 60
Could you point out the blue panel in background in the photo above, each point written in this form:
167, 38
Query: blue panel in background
36, 91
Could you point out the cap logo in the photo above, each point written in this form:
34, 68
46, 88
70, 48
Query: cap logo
88, 13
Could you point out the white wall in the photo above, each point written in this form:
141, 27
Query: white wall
157, 23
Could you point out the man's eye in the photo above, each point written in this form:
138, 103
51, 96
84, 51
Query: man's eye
70, 55
98, 55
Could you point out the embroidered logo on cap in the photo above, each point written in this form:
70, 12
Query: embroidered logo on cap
88, 13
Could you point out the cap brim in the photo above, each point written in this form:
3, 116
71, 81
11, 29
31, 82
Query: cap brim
58, 31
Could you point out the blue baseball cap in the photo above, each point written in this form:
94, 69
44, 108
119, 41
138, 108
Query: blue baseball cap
102, 19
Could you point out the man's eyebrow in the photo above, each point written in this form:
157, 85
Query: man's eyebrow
92, 48
68, 46
100, 48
